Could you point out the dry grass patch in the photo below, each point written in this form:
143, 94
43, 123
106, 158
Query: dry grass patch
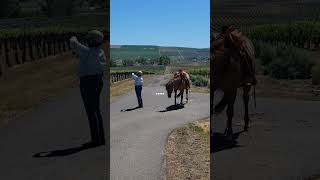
297, 89
25, 86
188, 152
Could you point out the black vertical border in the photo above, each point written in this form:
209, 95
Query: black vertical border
107, 118
211, 86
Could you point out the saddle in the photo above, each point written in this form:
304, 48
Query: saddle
182, 76
237, 44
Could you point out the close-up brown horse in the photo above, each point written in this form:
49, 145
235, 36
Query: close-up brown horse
233, 68
181, 83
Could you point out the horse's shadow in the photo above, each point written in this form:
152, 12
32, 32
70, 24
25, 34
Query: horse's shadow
220, 142
173, 108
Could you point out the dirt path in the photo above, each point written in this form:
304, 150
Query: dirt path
138, 137
282, 143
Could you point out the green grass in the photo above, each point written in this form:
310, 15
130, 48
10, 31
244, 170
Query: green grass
199, 80
199, 71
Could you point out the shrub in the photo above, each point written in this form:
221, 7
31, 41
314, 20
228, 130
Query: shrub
292, 65
267, 54
200, 81
258, 46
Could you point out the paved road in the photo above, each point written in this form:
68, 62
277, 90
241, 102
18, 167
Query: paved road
138, 137
59, 125
282, 144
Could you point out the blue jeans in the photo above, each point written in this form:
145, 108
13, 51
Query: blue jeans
91, 87
138, 93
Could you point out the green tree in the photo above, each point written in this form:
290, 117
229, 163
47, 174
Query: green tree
113, 63
141, 61
128, 62
52, 8
164, 60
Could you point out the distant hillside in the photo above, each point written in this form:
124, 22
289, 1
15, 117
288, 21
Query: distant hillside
176, 54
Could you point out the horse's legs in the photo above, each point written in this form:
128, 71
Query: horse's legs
231, 99
246, 90
181, 102
175, 97
187, 95
221, 105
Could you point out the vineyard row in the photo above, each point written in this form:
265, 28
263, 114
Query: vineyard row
20, 49
119, 76
299, 34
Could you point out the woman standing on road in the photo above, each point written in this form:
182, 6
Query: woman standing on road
90, 72
138, 83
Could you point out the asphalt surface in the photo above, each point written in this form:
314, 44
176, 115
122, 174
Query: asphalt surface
56, 129
282, 144
138, 137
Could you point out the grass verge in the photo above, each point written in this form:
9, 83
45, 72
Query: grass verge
188, 152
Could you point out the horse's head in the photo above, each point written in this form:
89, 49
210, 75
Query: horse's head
169, 88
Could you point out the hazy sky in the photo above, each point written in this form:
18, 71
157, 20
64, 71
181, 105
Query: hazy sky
183, 23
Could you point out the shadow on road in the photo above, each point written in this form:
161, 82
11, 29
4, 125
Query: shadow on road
130, 109
63, 152
173, 108
220, 142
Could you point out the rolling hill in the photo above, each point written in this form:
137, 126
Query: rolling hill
176, 54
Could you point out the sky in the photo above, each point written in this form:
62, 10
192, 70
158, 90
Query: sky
182, 23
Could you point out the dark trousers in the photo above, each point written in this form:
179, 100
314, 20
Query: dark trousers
91, 87
138, 93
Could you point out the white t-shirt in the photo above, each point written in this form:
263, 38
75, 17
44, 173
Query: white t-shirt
138, 81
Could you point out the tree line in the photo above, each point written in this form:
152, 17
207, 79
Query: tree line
49, 8
162, 60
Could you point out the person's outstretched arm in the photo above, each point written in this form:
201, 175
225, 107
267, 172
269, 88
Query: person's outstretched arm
134, 76
102, 59
77, 46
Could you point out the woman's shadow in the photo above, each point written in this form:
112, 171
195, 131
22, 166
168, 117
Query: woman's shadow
130, 109
64, 152
220, 142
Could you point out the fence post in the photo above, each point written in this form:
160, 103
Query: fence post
1, 53
30, 40
24, 49
14, 42
6, 52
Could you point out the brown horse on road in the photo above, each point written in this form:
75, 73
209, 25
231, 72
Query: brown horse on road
233, 59
180, 83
